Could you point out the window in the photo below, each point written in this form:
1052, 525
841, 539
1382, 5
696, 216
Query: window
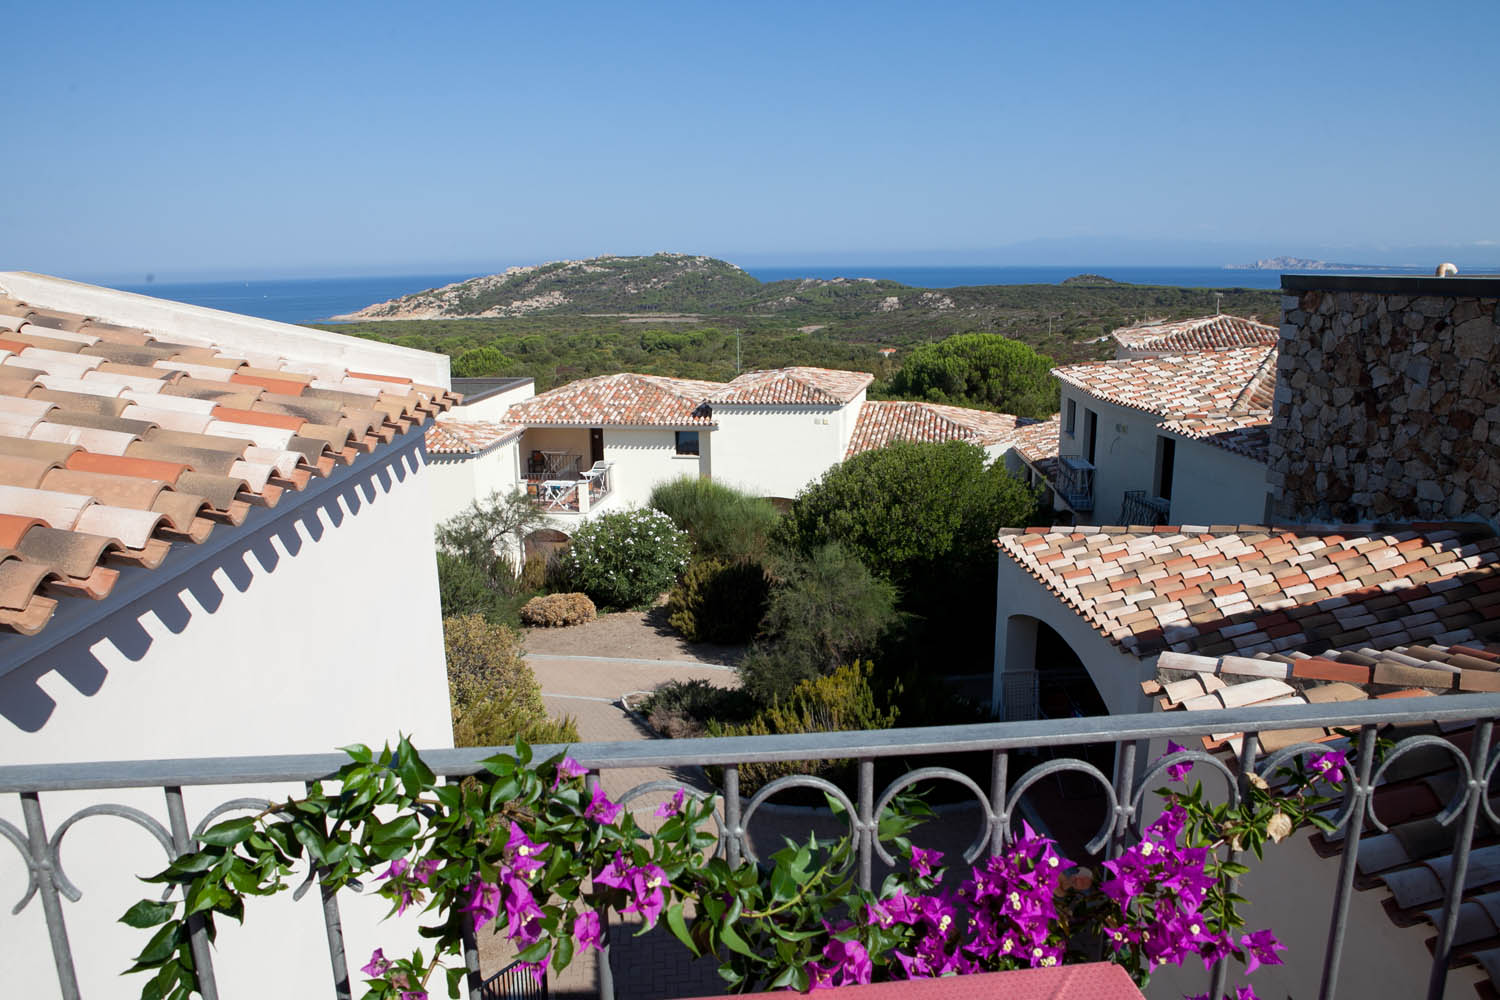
1166, 456
1090, 432
687, 442
1072, 416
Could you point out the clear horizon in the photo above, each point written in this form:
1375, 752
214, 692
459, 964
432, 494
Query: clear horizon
281, 140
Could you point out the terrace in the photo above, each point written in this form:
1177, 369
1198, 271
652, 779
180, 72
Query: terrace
1013, 762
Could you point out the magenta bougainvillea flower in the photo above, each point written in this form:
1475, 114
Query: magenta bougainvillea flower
601, 809
1329, 766
845, 963
1178, 771
587, 930
522, 850
673, 806
568, 769
377, 965
483, 904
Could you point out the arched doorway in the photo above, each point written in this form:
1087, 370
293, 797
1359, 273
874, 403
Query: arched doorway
545, 542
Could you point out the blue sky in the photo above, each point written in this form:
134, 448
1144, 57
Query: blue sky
287, 139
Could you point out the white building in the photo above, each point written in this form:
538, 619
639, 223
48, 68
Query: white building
215, 540
770, 433
1172, 438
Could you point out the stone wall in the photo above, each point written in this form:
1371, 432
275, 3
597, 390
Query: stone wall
1387, 399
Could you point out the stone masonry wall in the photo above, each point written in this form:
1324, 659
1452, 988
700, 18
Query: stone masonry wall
1387, 405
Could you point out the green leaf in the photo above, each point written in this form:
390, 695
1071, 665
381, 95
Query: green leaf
148, 913
678, 927
160, 947
732, 938
229, 832
358, 752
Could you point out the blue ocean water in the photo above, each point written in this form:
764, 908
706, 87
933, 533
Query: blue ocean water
312, 300
294, 300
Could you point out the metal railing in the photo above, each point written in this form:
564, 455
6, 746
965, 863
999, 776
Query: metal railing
1124, 794
1138, 508
1075, 482
514, 982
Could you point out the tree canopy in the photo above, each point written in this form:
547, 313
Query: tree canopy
980, 369
924, 517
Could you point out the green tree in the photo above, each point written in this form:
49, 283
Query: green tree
924, 517
725, 524
824, 610
488, 531
980, 369
482, 361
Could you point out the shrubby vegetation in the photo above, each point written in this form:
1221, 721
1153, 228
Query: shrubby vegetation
556, 610
980, 369
922, 517
845, 700
626, 559
724, 523
493, 695
825, 610
681, 709
719, 602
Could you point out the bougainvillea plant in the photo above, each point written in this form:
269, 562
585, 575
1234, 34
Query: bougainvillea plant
533, 851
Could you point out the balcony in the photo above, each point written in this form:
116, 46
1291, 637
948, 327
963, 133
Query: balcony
558, 491
1075, 483
1019, 759
1138, 508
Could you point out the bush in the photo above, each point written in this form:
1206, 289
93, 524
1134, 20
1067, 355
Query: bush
843, 701
924, 517
724, 523
714, 602
534, 573
626, 559
552, 610
493, 695
683, 709
824, 610
482, 534
463, 588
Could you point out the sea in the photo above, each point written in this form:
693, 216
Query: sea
316, 300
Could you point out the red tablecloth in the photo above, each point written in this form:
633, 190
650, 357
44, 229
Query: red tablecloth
1095, 981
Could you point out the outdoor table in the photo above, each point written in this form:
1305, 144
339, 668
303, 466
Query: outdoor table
553, 491
1093, 981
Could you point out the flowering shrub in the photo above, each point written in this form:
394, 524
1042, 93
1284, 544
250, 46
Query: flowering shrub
534, 852
627, 558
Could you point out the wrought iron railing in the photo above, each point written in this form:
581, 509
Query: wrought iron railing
1075, 482
1138, 508
514, 982
1124, 794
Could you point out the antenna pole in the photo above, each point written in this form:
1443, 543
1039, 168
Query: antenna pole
1218, 296
736, 352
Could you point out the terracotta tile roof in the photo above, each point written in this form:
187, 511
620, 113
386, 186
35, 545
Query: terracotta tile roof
468, 437
1244, 590
1202, 334
1247, 433
883, 421
625, 400
803, 386
1181, 386
1037, 443
116, 442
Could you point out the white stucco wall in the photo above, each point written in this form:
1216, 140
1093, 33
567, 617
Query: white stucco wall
1116, 674
1124, 455
493, 406
776, 451
313, 625
459, 480
1214, 486
249, 333
644, 457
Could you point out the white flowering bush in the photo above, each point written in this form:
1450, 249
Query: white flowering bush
626, 559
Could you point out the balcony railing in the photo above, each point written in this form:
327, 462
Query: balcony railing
1075, 482
1138, 508
999, 803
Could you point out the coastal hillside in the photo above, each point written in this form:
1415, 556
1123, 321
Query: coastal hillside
699, 317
